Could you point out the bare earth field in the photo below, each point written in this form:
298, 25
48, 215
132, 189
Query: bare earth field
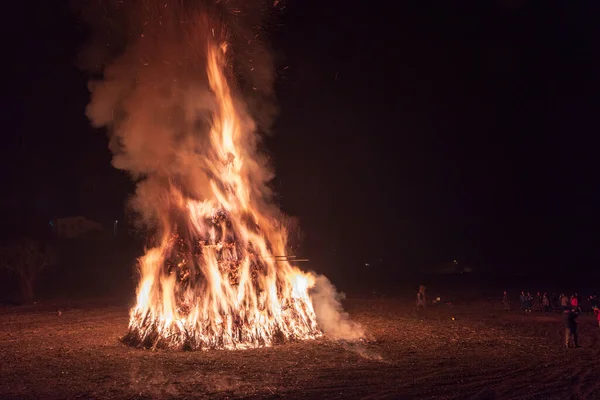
484, 353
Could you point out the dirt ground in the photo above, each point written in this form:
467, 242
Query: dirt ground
483, 353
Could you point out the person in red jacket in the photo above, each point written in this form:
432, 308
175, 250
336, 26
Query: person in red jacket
575, 302
597, 313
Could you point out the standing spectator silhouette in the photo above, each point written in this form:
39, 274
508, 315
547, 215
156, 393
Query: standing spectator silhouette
506, 301
528, 301
537, 302
564, 302
522, 300
546, 302
570, 317
421, 301
575, 302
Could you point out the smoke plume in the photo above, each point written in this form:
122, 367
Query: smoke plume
331, 317
154, 96
151, 91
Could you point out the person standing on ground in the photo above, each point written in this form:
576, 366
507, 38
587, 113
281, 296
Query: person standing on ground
522, 300
575, 302
421, 297
546, 302
564, 302
537, 302
528, 301
597, 314
506, 301
554, 301
570, 317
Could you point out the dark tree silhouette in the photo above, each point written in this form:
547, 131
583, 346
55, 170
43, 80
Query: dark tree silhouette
26, 258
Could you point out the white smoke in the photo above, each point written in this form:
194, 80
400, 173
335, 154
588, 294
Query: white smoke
331, 317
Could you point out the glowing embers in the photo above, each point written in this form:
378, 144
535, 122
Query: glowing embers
213, 296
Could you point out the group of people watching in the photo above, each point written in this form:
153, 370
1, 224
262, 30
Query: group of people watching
571, 307
552, 302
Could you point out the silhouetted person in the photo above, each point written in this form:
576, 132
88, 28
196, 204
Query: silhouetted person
575, 302
522, 300
421, 297
546, 302
506, 301
597, 314
571, 328
564, 302
554, 302
528, 301
537, 302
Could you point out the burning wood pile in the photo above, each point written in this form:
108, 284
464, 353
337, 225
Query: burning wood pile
179, 97
215, 292
213, 280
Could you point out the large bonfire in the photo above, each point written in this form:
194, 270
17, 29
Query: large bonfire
216, 275
219, 277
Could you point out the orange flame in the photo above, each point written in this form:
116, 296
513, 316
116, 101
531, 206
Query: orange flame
228, 287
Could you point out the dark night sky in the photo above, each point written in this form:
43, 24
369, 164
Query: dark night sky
416, 132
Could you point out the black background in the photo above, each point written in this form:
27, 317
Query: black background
410, 133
